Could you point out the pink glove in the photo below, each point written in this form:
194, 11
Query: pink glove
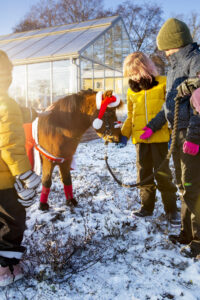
195, 100
148, 132
190, 148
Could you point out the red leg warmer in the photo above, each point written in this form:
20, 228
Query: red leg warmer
44, 194
68, 192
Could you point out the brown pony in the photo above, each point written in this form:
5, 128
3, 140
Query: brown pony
60, 132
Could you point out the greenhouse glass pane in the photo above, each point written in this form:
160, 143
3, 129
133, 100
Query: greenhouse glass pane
105, 20
5, 47
86, 74
98, 54
37, 45
61, 75
126, 47
84, 38
56, 43
18, 46
84, 24
117, 31
109, 79
88, 52
39, 85
109, 55
17, 89
98, 77
63, 27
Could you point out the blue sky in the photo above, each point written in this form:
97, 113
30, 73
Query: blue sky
12, 11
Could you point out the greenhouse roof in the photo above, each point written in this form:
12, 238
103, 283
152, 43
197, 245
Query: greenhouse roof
54, 43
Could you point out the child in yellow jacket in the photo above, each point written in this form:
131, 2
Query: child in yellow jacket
17, 181
145, 97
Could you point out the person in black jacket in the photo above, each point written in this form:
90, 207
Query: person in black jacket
184, 56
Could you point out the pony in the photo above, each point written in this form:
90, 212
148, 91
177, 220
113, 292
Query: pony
60, 132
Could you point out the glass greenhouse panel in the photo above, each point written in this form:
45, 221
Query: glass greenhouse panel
84, 38
105, 20
109, 80
86, 74
126, 49
88, 52
17, 46
109, 51
61, 79
39, 85
84, 24
98, 47
98, 77
117, 43
56, 43
17, 89
63, 27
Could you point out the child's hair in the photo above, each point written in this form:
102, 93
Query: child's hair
137, 65
5, 71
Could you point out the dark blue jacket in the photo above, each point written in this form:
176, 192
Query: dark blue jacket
184, 64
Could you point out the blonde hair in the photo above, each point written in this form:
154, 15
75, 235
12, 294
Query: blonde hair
137, 65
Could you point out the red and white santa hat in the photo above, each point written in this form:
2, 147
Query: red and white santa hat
102, 104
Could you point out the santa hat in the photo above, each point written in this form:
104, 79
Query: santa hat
112, 101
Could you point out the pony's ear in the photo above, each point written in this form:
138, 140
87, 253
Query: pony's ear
108, 94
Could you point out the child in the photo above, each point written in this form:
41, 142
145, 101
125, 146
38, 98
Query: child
15, 170
184, 56
145, 97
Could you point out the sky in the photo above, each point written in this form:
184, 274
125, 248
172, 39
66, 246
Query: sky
13, 11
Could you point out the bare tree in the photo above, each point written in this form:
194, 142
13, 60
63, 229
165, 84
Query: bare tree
43, 14
47, 13
81, 10
143, 23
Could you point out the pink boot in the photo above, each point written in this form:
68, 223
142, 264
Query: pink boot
6, 277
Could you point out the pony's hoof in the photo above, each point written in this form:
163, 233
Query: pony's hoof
71, 202
44, 206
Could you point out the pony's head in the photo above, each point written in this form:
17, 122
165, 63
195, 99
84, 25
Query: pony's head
106, 124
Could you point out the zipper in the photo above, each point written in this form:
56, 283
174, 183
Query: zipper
145, 102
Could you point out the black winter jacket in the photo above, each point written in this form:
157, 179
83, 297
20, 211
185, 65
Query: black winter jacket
184, 64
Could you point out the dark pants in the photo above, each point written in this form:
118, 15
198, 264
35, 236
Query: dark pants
187, 168
12, 223
149, 158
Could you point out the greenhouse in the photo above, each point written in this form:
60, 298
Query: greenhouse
52, 62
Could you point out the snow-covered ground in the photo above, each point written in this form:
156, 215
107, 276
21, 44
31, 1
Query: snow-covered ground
97, 250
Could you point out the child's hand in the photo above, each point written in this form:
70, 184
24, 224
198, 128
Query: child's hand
190, 148
147, 134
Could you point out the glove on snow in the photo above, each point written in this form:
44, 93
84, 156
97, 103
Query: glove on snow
25, 186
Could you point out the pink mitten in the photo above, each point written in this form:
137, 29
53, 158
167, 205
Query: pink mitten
148, 132
195, 100
190, 148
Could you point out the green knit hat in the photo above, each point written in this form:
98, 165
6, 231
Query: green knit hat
173, 34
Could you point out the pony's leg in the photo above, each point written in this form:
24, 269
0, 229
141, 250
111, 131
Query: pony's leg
67, 183
47, 169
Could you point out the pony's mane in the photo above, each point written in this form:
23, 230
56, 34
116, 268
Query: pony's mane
72, 103
64, 112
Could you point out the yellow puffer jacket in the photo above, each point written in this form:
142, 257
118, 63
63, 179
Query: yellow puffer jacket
13, 158
142, 107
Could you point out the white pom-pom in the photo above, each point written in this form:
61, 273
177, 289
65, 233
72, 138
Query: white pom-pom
97, 123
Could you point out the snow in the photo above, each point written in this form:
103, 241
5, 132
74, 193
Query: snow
98, 250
